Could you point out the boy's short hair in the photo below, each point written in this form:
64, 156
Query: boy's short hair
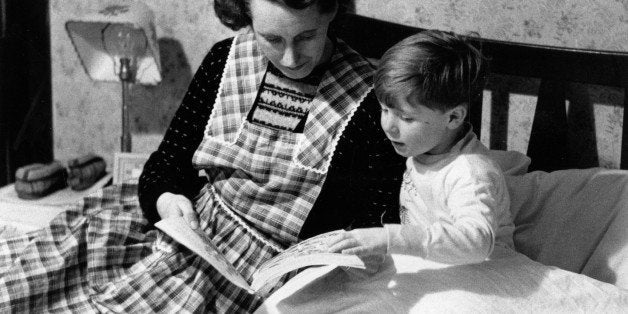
441, 69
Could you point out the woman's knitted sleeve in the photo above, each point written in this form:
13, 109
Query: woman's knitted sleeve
380, 181
362, 185
169, 168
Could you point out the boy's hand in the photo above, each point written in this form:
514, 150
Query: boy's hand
366, 241
373, 265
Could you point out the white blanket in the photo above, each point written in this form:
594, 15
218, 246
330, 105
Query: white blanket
407, 284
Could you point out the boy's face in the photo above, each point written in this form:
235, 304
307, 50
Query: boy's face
415, 129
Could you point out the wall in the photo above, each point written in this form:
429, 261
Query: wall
87, 114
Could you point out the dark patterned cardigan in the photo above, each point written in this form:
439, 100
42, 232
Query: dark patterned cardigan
363, 180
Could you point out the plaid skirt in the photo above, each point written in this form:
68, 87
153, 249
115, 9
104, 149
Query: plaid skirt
101, 256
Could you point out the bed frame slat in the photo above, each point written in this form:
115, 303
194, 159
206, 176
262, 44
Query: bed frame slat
548, 147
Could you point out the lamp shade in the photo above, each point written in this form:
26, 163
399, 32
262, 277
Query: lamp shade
115, 32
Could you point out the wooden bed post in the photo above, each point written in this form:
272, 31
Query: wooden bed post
475, 116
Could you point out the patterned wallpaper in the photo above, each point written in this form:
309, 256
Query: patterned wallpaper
86, 114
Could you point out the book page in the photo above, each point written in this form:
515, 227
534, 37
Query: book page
198, 242
310, 252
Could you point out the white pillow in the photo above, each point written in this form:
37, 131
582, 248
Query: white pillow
511, 162
575, 219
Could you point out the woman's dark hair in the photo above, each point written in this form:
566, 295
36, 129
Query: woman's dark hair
235, 13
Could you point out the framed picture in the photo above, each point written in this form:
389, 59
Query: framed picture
127, 167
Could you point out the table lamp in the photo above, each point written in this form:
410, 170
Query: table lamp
118, 44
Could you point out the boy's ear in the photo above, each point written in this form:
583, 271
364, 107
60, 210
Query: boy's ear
457, 116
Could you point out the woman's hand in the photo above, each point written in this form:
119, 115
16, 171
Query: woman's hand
169, 205
363, 242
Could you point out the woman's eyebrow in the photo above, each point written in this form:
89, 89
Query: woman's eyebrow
306, 32
268, 34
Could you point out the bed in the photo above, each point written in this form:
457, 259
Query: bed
571, 217
571, 224
571, 230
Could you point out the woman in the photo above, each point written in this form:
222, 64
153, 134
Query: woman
283, 123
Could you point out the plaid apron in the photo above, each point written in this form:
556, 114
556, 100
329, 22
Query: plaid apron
267, 177
100, 256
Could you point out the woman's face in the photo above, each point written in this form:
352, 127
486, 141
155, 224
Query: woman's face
295, 41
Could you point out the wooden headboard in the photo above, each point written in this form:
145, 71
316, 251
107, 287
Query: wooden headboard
554, 66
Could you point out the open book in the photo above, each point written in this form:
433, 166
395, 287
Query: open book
310, 252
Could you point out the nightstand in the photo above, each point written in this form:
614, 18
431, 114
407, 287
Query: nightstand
28, 215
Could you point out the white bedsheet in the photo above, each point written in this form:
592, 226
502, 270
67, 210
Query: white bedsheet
509, 284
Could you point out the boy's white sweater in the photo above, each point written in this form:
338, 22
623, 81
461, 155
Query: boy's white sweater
455, 206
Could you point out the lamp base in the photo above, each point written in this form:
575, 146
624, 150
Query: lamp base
125, 139
125, 143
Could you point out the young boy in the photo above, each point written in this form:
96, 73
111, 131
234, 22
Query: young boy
454, 200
